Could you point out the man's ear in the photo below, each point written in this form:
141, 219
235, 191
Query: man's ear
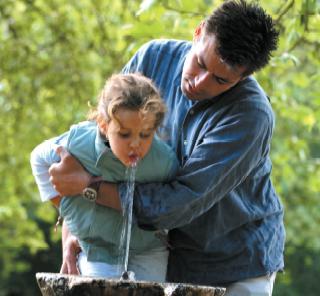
243, 77
198, 31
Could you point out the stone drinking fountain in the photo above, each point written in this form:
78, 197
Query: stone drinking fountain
55, 284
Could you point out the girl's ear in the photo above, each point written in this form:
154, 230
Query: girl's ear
102, 124
198, 31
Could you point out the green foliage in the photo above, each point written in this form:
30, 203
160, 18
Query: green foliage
54, 58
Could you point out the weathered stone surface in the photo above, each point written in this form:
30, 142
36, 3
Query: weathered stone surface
54, 284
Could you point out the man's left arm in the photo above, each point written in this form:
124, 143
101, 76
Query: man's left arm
223, 160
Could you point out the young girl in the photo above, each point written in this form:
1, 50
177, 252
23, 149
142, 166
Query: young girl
120, 132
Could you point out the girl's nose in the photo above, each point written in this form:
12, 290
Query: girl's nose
135, 143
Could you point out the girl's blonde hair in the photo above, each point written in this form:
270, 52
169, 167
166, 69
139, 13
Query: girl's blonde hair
130, 91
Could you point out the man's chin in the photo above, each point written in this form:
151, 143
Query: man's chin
189, 95
193, 97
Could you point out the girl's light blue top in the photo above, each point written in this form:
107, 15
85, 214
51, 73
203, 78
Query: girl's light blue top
98, 228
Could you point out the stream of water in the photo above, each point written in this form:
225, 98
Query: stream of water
127, 222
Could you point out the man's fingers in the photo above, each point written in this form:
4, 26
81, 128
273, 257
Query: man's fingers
69, 266
64, 268
73, 269
53, 168
71, 262
62, 152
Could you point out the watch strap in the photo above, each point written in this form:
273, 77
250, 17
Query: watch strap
95, 185
91, 192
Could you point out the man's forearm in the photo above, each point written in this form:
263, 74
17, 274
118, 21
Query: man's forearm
108, 196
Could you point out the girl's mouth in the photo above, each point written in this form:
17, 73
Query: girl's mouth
133, 159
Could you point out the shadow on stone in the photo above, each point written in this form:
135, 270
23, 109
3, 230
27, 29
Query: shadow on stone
55, 284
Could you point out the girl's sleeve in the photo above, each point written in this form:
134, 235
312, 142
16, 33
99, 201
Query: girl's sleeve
42, 157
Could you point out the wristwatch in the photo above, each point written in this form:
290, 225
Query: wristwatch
91, 192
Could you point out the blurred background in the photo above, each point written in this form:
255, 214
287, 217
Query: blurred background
54, 58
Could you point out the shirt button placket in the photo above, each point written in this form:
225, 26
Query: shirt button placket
185, 143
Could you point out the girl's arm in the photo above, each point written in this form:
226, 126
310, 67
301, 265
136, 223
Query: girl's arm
70, 178
70, 250
42, 157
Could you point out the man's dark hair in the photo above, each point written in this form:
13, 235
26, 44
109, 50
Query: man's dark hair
245, 34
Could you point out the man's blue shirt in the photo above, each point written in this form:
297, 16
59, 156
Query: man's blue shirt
225, 219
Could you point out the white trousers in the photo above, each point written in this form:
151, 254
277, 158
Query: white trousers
148, 266
259, 286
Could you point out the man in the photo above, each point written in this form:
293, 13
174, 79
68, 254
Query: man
225, 219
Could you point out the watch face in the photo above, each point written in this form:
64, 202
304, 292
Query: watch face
90, 194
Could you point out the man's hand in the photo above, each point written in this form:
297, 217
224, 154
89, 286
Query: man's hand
70, 251
68, 176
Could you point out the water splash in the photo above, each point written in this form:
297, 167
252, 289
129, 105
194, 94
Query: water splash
127, 224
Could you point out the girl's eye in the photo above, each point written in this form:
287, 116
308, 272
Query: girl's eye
145, 136
124, 135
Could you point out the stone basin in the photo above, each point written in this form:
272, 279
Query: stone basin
55, 284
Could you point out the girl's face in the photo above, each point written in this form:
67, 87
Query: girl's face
130, 136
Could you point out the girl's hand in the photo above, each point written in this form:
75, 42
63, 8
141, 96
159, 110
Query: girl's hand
70, 252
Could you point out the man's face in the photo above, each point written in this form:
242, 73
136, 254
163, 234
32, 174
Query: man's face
205, 74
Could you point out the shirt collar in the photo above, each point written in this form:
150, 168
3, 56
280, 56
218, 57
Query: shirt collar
100, 143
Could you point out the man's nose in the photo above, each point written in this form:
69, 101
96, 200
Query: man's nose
200, 80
